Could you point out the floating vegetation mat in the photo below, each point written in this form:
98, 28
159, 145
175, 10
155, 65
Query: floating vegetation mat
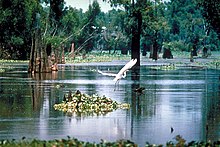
165, 67
215, 64
66, 143
79, 103
73, 142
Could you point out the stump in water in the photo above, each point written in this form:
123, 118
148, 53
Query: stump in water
38, 62
167, 54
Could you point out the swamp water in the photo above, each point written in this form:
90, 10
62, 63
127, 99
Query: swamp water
186, 99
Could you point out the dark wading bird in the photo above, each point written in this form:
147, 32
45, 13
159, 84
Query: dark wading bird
171, 130
139, 90
122, 72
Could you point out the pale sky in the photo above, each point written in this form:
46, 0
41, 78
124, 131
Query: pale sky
84, 4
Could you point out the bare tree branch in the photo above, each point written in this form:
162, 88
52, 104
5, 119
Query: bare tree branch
76, 33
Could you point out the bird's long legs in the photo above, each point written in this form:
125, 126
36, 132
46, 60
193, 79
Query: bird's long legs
116, 83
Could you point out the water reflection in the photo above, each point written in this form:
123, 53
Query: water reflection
185, 99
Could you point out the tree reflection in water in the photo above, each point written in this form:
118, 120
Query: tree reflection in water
38, 88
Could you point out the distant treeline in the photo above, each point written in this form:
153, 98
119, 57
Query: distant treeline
180, 25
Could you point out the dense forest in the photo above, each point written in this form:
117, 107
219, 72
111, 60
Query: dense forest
180, 25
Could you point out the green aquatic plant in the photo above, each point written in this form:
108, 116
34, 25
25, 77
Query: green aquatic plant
6, 65
165, 67
96, 57
209, 64
80, 103
13, 61
180, 142
2, 70
213, 64
66, 142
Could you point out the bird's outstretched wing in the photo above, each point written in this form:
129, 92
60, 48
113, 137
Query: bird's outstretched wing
127, 66
107, 74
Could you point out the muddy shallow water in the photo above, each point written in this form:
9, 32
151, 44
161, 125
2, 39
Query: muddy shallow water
184, 98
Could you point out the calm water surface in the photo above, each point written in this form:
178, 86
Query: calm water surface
186, 99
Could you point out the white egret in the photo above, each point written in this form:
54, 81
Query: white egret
122, 72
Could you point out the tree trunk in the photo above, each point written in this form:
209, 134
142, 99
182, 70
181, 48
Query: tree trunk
31, 60
63, 56
167, 54
155, 48
144, 52
72, 51
136, 32
38, 62
135, 44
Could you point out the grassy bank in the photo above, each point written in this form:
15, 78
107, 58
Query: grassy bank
97, 57
106, 57
180, 58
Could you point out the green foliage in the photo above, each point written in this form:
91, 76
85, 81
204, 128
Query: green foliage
54, 41
176, 46
89, 33
188, 26
57, 9
16, 23
71, 21
16, 41
179, 22
83, 104
66, 142
97, 57
211, 12
180, 142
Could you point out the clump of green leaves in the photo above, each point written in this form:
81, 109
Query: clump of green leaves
165, 67
210, 64
65, 142
80, 103
176, 46
180, 142
96, 57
